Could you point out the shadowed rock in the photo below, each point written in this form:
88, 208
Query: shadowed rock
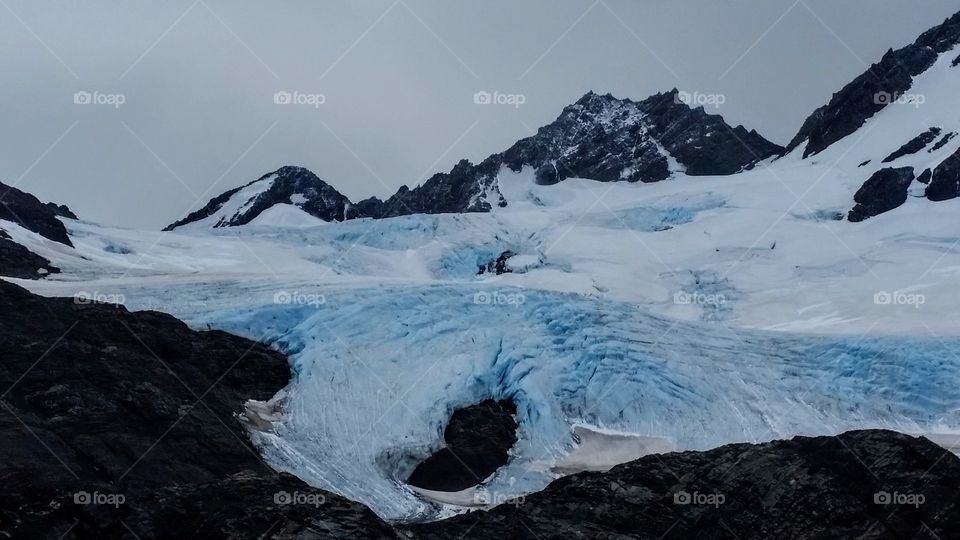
862, 484
115, 422
478, 440
882, 192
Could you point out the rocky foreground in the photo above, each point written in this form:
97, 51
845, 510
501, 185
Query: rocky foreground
126, 425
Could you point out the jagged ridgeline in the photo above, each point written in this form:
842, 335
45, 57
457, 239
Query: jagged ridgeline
599, 137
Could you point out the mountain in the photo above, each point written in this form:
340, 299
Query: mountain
599, 137
879, 87
27, 212
294, 186
898, 121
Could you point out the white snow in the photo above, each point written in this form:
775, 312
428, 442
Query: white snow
286, 215
601, 450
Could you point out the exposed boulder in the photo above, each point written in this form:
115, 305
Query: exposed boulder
945, 182
478, 439
882, 192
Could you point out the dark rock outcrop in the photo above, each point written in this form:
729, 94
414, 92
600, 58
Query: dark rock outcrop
915, 145
115, 422
19, 262
61, 210
945, 182
27, 211
882, 192
924, 177
882, 84
478, 440
942, 142
598, 137
861, 484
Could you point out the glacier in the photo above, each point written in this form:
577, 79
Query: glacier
696, 310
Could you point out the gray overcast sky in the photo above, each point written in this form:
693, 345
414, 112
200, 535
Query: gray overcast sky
398, 76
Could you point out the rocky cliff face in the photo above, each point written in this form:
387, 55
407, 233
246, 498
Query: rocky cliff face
609, 139
878, 87
28, 212
599, 137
